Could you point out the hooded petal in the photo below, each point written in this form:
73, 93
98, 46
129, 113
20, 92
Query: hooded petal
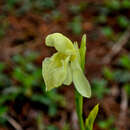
61, 43
54, 70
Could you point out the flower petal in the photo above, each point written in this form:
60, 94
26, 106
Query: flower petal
68, 79
61, 43
78, 57
54, 70
80, 82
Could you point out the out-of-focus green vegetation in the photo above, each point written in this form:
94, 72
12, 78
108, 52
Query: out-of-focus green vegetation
26, 5
107, 124
26, 83
119, 76
105, 12
124, 61
3, 25
75, 25
108, 31
77, 9
100, 86
123, 21
21, 79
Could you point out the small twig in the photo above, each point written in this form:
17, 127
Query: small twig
117, 47
124, 106
74, 120
14, 123
124, 103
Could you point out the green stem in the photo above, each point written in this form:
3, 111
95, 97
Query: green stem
79, 109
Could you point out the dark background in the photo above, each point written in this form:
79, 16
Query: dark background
24, 24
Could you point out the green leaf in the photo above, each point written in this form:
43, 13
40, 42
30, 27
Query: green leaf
52, 110
45, 4
41, 99
90, 120
82, 51
74, 9
113, 4
59, 99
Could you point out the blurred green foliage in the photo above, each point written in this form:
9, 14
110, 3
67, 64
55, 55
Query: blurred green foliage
126, 4
117, 4
117, 75
113, 4
10, 4
23, 78
107, 124
124, 61
44, 4
127, 89
123, 21
108, 74
55, 15
3, 25
75, 25
76, 9
52, 127
99, 88
26, 5
26, 81
2, 32
108, 32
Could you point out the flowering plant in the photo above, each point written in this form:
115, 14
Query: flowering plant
67, 66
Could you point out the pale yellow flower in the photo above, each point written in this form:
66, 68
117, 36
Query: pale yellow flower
64, 67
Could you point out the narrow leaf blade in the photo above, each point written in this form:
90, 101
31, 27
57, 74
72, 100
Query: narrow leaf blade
82, 51
92, 116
